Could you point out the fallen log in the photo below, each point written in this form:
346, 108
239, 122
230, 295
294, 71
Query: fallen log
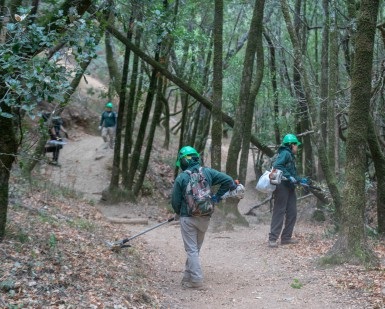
127, 220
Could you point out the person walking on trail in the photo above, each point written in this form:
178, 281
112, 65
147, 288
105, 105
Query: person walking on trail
55, 131
285, 199
108, 125
193, 228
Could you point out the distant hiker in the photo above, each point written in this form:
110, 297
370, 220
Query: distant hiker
55, 142
108, 125
193, 228
285, 199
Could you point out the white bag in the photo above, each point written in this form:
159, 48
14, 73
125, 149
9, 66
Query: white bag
264, 184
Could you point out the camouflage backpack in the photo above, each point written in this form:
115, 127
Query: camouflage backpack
198, 195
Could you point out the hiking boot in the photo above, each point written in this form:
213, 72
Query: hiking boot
185, 280
273, 244
289, 241
55, 163
194, 285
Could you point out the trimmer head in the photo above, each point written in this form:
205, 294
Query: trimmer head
116, 246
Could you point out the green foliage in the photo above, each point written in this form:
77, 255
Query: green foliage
28, 75
52, 242
147, 188
6, 285
82, 224
296, 284
17, 233
30, 79
45, 218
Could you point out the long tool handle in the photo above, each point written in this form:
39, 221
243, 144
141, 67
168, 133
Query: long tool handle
145, 231
305, 185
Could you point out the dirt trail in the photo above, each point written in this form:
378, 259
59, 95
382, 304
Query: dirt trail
240, 270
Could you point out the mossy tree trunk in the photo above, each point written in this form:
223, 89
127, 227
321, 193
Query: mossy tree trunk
240, 128
257, 80
134, 93
142, 128
318, 140
183, 85
115, 175
332, 93
351, 245
8, 148
274, 86
379, 164
216, 126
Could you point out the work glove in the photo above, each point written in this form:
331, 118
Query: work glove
216, 199
66, 134
304, 181
238, 192
176, 217
292, 180
100, 127
234, 185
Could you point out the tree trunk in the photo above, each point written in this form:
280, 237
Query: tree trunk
379, 164
130, 120
113, 69
177, 81
150, 140
329, 175
8, 148
351, 245
333, 90
115, 174
273, 74
244, 96
216, 126
259, 70
324, 104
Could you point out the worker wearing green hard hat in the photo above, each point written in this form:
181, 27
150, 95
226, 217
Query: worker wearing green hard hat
290, 139
107, 125
285, 206
186, 154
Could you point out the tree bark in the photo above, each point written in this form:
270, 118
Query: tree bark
318, 140
216, 126
179, 82
259, 71
333, 94
8, 148
240, 129
115, 174
379, 164
351, 245
273, 74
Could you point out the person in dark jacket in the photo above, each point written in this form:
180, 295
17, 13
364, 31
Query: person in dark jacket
285, 199
107, 125
55, 130
193, 229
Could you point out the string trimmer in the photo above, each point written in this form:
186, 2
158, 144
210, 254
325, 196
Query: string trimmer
116, 246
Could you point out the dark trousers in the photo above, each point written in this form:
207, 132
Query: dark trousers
284, 212
55, 151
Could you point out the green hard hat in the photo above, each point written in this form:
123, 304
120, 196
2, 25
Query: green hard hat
109, 105
291, 139
186, 151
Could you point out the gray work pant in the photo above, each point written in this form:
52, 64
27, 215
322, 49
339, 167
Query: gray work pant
193, 233
284, 211
108, 135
